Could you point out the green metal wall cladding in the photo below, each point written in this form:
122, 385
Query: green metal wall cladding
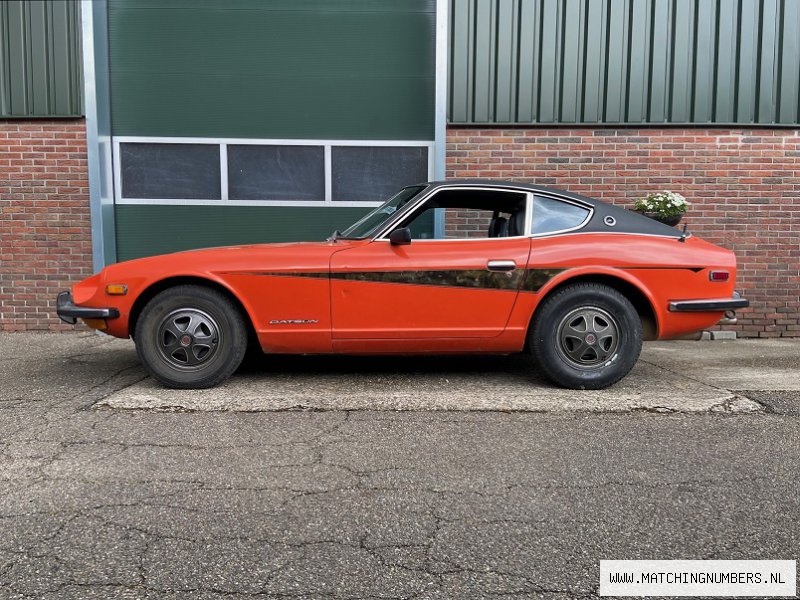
624, 61
343, 69
145, 230
40, 59
291, 68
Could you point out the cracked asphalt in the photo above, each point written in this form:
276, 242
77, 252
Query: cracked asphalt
99, 500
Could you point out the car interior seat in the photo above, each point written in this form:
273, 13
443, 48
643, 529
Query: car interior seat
516, 224
498, 226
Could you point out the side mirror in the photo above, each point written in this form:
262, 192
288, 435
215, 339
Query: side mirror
400, 237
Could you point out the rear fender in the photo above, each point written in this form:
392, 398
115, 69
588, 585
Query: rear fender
587, 272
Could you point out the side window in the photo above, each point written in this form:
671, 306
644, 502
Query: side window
553, 215
469, 214
459, 224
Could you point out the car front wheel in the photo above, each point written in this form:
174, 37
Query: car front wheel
586, 336
190, 336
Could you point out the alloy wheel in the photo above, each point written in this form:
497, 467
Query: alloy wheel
188, 338
588, 337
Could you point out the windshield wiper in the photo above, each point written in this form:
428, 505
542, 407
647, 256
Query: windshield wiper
334, 236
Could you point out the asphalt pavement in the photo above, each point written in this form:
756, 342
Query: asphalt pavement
315, 477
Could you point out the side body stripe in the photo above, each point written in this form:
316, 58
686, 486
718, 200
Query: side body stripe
528, 280
525, 280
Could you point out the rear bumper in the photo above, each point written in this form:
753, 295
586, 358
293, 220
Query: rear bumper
69, 312
710, 305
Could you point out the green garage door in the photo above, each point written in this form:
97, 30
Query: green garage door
241, 121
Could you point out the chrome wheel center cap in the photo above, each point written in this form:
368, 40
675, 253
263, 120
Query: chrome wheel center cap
591, 338
186, 340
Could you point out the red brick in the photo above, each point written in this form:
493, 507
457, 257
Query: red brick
45, 235
743, 185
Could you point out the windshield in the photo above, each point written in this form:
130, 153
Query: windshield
370, 223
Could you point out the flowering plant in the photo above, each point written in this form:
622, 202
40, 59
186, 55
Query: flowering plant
664, 203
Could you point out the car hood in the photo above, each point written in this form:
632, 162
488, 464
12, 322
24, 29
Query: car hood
214, 262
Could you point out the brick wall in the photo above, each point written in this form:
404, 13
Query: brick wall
460, 223
743, 186
45, 232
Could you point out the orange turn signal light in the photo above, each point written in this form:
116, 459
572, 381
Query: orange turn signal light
116, 289
99, 324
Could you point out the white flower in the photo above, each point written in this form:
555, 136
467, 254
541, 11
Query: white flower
664, 202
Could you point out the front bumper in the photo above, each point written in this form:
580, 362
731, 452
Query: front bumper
69, 312
712, 305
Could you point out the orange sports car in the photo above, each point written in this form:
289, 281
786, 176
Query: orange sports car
442, 267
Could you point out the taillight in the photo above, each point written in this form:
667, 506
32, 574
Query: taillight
719, 276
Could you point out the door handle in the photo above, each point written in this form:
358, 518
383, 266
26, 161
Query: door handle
504, 266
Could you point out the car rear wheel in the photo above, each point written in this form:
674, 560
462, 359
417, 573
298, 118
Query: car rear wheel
190, 336
586, 336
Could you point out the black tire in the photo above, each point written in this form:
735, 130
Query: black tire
590, 359
206, 352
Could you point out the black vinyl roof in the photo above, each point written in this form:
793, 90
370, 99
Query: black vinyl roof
606, 218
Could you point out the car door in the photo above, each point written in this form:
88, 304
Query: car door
431, 288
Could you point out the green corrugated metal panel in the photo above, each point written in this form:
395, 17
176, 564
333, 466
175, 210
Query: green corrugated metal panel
40, 58
147, 230
625, 61
281, 69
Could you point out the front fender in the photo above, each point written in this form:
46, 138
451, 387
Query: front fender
142, 286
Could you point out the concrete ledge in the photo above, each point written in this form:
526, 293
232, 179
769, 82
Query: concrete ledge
723, 335
431, 383
718, 335
675, 376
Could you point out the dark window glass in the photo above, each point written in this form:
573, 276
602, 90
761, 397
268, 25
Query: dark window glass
553, 215
170, 171
371, 173
469, 213
276, 172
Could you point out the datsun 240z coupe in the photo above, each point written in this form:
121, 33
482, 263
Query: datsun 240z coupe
445, 267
